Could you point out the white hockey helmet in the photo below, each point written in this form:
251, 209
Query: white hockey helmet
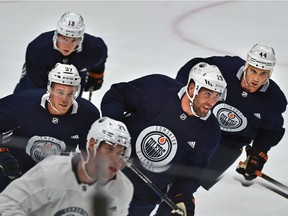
111, 131
64, 74
71, 25
207, 76
262, 57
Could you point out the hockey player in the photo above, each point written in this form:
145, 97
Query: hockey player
43, 122
67, 44
251, 116
171, 127
67, 185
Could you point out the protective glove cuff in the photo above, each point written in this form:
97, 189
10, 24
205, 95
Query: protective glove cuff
186, 203
4, 149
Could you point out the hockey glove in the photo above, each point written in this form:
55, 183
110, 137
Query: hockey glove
186, 205
94, 81
255, 161
8, 164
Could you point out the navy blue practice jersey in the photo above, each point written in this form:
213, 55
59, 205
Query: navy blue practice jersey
163, 137
244, 116
41, 56
37, 133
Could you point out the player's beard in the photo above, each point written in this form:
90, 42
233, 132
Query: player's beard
198, 111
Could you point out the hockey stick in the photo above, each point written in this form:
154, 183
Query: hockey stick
271, 180
100, 205
90, 92
273, 189
265, 185
266, 177
157, 190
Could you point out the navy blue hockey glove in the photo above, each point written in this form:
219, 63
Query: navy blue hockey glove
185, 204
94, 81
255, 161
8, 164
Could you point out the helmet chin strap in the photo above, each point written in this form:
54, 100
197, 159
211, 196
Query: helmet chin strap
244, 75
51, 104
191, 103
83, 165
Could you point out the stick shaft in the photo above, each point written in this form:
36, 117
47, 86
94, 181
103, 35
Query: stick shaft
90, 92
157, 190
271, 180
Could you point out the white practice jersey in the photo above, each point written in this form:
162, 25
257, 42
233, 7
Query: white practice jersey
51, 188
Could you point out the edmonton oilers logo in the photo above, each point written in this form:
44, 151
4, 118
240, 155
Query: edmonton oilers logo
230, 118
156, 146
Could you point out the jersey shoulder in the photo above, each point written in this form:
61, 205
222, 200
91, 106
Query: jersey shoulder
87, 106
44, 40
93, 42
228, 65
276, 97
56, 169
160, 80
25, 97
126, 183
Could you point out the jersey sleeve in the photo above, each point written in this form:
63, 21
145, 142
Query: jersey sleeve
271, 130
100, 57
226, 64
36, 69
24, 194
8, 113
270, 133
121, 99
40, 57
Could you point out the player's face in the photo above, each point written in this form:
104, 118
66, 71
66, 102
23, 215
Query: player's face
109, 159
67, 45
255, 78
204, 101
61, 98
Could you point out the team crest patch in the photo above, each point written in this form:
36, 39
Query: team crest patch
230, 118
75, 211
156, 146
39, 147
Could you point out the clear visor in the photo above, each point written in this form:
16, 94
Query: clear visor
115, 150
70, 94
68, 40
